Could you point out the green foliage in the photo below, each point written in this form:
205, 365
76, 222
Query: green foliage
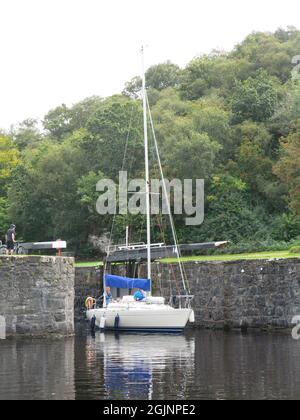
133, 88
254, 99
87, 194
230, 118
230, 214
163, 76
295, 250
192, 157
273, 52
252, 161
287, 168
57, 122
4, 220
252, 246
46, 189
187, 150
207, 74
9, 159
62, 121
158, 77
212, 118
286, 227
26, 134
288, 111
117, 121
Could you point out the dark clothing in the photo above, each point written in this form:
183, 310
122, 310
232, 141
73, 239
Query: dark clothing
10, 239
10, 245
9, 235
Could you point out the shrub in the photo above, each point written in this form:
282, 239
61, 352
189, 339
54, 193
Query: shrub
295, 250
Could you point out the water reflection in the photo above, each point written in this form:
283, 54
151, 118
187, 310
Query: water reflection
253, 366
138, 366
37, 369
198, 365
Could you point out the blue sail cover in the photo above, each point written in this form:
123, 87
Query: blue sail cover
127, 283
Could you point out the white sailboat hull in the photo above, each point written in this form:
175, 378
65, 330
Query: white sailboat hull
150, 314
141, 317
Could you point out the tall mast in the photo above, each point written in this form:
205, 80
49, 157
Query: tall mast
147, 175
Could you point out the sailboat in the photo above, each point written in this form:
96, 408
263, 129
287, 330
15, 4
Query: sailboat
150, 314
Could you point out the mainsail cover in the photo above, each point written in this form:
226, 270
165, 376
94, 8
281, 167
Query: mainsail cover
127, 283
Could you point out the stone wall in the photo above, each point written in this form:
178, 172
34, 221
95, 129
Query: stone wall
37, 295
88, 282
258, 294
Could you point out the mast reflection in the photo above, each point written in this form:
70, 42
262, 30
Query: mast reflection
138, 366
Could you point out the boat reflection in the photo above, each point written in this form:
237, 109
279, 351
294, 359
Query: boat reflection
136, 366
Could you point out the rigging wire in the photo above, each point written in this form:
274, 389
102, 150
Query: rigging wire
160, 223
177, 250
123, 167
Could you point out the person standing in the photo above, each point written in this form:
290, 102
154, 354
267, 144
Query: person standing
108, 296
10, 240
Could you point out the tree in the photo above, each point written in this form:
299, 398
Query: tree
9, 159
271, 52
133, 88
193, 157
285, 35
212, 117
58, 122
26, 134
4, 218
43, 195
87, 194
163, 76
288, 111
286, 227
207, 74
229, 213
117, 123
52, 193
187, 151
255, 99
253, 162
81, 112
287, 168
158, 77
230, 118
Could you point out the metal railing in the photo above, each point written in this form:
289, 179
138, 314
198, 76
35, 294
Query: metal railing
131, 247
182, 301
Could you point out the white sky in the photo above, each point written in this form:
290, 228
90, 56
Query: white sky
61, 51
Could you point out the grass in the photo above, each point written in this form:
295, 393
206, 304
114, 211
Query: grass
234, 257
89, 264
226, 257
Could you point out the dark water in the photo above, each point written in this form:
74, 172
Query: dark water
198, 365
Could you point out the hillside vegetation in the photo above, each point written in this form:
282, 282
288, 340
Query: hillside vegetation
230, 118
